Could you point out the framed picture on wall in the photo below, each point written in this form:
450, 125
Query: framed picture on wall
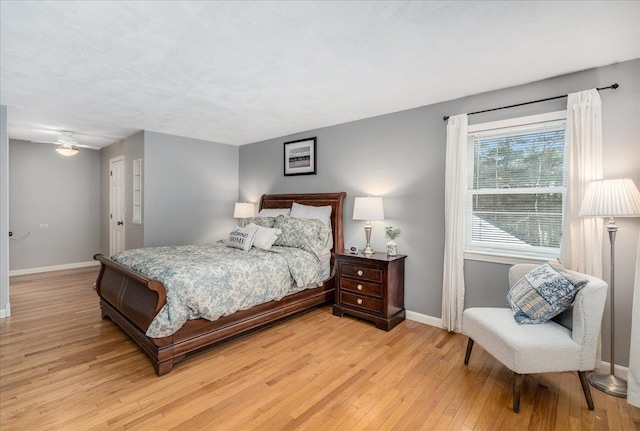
300, 157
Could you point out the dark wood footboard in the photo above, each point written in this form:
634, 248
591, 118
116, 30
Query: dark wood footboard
139, 298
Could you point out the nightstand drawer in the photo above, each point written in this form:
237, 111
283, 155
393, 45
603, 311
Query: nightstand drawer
361, 272
360, 301
357, 286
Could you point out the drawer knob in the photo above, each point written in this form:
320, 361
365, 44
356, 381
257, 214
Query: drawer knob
359, 301
360, 272
359, 286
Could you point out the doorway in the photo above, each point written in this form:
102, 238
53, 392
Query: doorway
116, 205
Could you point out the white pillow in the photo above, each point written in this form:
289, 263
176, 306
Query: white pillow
242, 237
309, 211
265, 237
321, 213
273, 212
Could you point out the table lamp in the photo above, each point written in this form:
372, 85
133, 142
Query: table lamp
368, 208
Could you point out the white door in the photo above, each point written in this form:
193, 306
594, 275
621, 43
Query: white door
116, 205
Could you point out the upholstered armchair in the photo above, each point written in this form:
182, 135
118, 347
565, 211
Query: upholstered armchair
565, 343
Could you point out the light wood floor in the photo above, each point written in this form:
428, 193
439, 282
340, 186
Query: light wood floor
64, 368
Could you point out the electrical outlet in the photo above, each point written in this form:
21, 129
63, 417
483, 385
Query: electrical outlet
44, 226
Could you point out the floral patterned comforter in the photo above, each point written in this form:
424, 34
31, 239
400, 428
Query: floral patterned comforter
211, 280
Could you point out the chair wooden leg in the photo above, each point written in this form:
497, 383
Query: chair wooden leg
586, 389
469, 347
517, 388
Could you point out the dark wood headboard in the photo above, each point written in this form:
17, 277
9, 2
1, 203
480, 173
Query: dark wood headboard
336, 201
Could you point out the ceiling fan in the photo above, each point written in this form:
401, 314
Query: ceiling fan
67, 144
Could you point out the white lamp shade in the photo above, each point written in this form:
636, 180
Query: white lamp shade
244, 210
611, 198
369, 208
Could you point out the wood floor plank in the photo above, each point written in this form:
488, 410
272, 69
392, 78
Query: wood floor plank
62, 367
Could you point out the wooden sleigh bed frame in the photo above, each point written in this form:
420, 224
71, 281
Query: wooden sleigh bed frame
132, 300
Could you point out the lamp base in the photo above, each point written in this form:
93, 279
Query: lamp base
609, 384
367, 251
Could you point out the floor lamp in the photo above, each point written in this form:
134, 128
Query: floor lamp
611, 198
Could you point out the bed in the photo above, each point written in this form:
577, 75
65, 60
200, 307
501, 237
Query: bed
132, 300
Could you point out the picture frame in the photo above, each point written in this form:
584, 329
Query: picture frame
300, 157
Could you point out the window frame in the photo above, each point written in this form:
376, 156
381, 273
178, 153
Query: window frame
511, 254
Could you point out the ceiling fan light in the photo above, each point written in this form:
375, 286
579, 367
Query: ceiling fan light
67, 150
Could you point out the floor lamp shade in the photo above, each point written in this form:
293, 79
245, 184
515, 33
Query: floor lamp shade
611, 198
368, 208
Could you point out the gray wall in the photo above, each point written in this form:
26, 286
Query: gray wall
131, 148
61, 192
401, 156
5, 309
190, 187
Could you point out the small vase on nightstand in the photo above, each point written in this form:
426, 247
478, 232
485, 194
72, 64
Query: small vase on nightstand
391, 234
392, 248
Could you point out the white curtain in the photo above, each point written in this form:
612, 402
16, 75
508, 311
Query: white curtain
633, 376
454, 198
581, 245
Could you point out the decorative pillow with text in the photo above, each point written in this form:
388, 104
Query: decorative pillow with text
242, 237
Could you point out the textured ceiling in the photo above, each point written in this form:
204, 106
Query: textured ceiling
242, 72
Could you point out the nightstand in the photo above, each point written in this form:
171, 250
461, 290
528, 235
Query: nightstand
371, 288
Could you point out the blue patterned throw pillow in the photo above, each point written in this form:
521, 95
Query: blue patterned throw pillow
307, 234
543, 293
260, 221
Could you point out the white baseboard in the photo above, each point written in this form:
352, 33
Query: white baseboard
619, 370
604, 367
53, 268
423, 318
6, 311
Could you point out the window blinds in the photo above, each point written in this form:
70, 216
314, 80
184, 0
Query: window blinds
516, 188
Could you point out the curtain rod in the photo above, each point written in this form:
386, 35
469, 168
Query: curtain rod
611, 87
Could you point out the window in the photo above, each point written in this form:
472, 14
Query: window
516, 187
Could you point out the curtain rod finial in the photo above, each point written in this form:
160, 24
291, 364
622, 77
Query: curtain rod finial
445, 118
